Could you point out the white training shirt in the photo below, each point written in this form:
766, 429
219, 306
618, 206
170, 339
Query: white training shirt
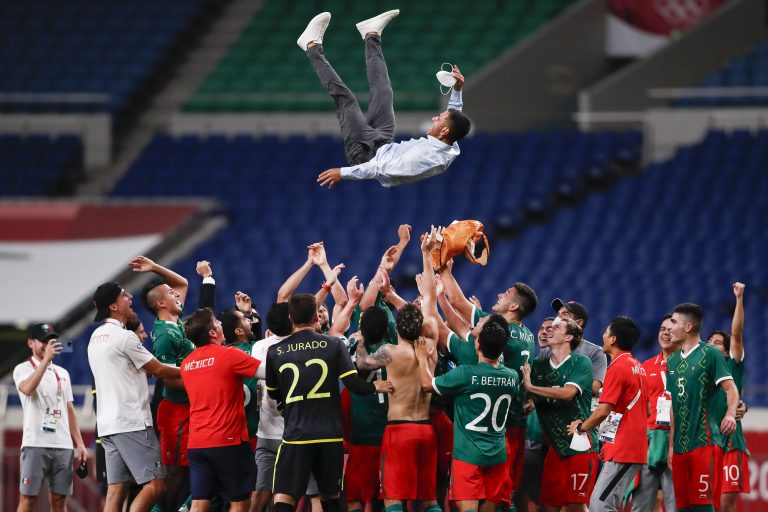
45, 396
116, 356
271, 423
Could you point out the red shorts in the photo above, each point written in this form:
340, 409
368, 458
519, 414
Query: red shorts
173, 426
361, 476
696, 476
515, 455
444, 432
568, 479
735, 477
471, 482
408, 461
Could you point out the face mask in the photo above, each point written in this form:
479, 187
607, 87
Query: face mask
446, 78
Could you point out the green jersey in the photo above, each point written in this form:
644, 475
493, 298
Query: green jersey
737, 440
483, 396
556, 415
368, 413
170, 346
693, 381
251, 388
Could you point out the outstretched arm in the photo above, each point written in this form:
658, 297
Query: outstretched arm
289, 286
207, 298
404, 236
174, 280
455, 296
378, 359
737, 326
380, 280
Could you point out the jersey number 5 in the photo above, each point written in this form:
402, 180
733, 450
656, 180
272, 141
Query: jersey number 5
313, 392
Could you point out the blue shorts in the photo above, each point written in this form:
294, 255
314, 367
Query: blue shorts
229, 469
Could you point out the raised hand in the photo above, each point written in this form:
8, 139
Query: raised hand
203, 269
738, 289
142, 264
459, 78
474, 300
354, 291
317, 254
404, 232
388, 260
52, 350
243, 303
428, 239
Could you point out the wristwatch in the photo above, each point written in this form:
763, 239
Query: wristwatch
578, 428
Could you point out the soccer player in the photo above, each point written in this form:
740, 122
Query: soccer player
576, 311
562, 388
119, 363
699, 422
736, 458
50, 422
220, 455
535, 450
657, 472
369, 139
409, 445
302, 373
622, 412
514, 304
483, 396
164, 297
367, 417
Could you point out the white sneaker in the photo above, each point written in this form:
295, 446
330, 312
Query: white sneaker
314, 31
376, 24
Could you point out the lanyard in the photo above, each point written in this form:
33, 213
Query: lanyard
58, 380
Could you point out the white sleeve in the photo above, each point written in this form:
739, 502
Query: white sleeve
259, 352
21, 373
135, 351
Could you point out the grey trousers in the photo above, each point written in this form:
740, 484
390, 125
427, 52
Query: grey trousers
611, 486
363, 134
644, 497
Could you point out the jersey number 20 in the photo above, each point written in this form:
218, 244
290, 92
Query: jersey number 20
313, 392
473, 425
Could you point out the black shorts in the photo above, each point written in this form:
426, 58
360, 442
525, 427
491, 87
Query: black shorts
229, 469
295, 462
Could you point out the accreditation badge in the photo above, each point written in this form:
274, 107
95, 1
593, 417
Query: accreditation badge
51, 419
663, 410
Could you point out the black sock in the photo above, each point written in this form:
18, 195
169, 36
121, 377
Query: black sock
282, 507
333, 505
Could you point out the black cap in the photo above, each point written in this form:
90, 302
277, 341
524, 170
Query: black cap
106, 295
41, 332
577, 308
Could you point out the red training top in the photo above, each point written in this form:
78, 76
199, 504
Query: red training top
213, 376
655, 384
624, 388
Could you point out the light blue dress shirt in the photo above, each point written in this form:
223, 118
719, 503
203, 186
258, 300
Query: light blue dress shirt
409, 161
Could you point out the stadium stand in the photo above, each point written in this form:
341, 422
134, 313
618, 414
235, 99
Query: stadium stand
118, 49
37, 165
747, 71
265, 71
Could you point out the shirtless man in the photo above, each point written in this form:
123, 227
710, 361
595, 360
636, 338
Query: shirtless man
409, 446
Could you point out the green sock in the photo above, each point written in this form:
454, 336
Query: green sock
502, 508
397, 507
157, 508
433, 508
702, 508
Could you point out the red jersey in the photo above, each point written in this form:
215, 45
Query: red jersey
624, 388
213, 377
655, 385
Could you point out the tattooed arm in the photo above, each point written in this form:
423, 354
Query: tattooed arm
378, 359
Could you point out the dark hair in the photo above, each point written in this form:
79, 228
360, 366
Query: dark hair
458, 125
694, 312
575, 330
492, 340
500, 321
374, 325
528, 300
229, 322
147, 290
548, 319
666, 317
132, 323
626, 330
302, 308
409, 322
279, 320
726, 340
197, 325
